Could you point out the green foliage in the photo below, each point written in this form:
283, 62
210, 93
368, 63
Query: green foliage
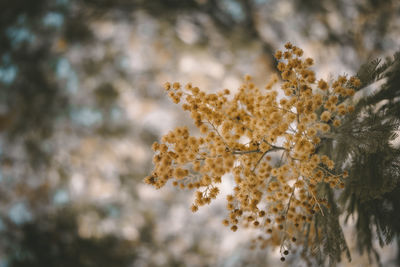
332, 237
330, 242
364, 146
389, 94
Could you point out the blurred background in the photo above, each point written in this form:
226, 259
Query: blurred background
81, 102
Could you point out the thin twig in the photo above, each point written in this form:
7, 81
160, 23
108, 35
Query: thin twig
238, 152
285, 110
216, 130
259, 160
322, 212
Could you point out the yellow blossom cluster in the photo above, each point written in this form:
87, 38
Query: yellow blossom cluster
266, 138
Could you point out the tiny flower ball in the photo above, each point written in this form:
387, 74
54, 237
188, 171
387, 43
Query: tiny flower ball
325, 116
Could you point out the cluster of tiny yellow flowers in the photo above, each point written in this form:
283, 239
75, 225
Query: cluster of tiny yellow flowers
266, 140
